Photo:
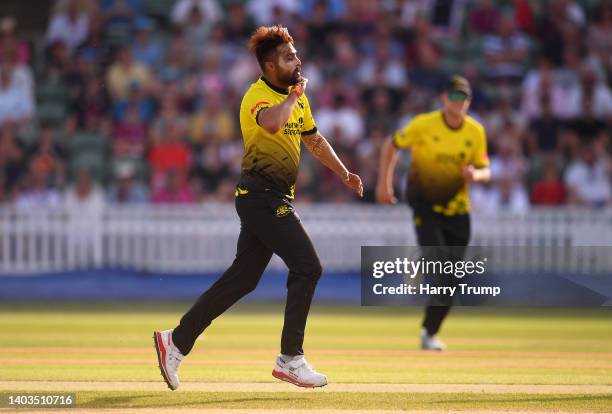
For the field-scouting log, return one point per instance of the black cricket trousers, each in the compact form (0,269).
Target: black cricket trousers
(269,225)
(441,238)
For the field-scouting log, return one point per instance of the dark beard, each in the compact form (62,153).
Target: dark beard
(289,78)
(295,78)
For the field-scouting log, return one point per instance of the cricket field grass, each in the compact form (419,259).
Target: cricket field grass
(499,360)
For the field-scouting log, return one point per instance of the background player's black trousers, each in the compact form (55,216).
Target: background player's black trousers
(268,225)
(452,233)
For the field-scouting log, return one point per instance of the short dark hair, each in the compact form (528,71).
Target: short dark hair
(264,41)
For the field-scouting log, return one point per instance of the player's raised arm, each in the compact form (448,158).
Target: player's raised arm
(274,117)
(387,162)
(323,151)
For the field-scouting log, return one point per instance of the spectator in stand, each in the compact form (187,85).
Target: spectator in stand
(168,117)
(593,94)
(446,17)
(213,124)
(84,203)
(84,198)
(545,130)
(95,101)
(423,58)
(176,64)
(341,116)
(218,44)
(548,190)
(242,72)
(545,84)
(129,135)
(379,112)
(76,80)
(112,7)
(38,194)
(413,10)
(171,153)
(143,103)
(58,58)
(70,27)
(334,9)
(387,64)
(550,32)
(239,25)
(591,105)
(336,86)
(124,73)
(10,43)
(208,9)
(587,179)
(95,45)
(485,17)
(508,168)
(145,49)
(12,161)
(174,191)
(344,55)
(210,167)
(225,191)
(196,30)
(360,18)
(119,18)
(497,119)
(524,16)
(48,156)
(573,12)
(16,92)
(506,52)
(126,190)
(599,37)
(320,30)
(265,12)
(213,76)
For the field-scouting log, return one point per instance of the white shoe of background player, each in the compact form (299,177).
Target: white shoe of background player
(169,357)
(298,372)
(431,342)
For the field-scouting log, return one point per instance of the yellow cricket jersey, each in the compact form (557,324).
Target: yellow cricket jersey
(274,157)
(439,153)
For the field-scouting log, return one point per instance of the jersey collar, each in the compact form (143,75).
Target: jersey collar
(275,88)
(448,126)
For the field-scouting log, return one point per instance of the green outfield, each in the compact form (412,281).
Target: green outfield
(499,359)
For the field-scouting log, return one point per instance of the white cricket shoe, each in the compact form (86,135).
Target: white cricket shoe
(431,342)
(298,372)
(169,357)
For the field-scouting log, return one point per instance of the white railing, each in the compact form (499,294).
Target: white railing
(203,238)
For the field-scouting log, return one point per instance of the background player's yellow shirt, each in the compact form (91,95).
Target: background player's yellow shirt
(275,157)
(439,153)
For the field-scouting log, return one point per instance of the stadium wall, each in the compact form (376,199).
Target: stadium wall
(176,252)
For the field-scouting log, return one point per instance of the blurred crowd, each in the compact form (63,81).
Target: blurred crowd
(136,101)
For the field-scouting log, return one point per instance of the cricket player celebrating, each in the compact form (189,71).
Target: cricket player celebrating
(449,150)
(275,117)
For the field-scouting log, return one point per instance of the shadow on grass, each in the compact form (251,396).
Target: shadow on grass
(157,400)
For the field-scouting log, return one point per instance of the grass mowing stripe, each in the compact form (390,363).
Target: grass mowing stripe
(311,399)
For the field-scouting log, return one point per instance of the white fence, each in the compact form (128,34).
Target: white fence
(203,238)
